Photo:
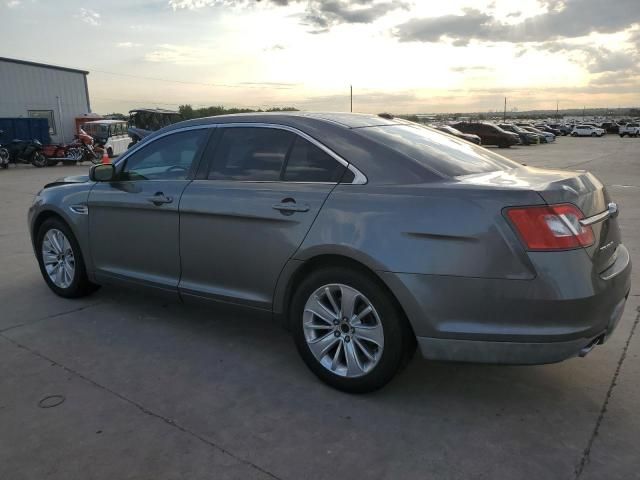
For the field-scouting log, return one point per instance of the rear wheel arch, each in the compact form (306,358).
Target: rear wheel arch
(325,261)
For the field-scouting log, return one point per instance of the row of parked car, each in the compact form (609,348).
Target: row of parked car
(505,135)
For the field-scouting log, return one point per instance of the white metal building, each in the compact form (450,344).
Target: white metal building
(29,89)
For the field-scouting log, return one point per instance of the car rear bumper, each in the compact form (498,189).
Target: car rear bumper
(548,319)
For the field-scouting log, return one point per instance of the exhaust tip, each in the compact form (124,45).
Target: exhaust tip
(596,341)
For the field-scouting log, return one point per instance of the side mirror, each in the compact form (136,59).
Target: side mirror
(102,173)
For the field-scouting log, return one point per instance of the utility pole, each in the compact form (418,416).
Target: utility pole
(584,111)
(504,115)
(557,110)
(351,98)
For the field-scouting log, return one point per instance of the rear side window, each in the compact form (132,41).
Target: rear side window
(307,163)
(271,155)
(250,154)
(442,153)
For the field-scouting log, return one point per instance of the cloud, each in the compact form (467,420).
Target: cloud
(89,16)
(13,3)
(472,68)
(562,19)
(178,55)
(128,45)
(320,15)
(595,59)
(323,14)
(274,48)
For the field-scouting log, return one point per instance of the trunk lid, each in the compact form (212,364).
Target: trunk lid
(580,188)
(586,192)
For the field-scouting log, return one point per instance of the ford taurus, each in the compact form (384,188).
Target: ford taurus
(365,236)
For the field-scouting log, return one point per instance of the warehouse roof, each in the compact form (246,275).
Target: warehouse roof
(43,65)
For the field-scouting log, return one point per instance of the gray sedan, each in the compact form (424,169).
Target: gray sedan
(365,236)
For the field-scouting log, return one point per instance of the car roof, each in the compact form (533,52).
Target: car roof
(105,121)
(346,120)
(154,110)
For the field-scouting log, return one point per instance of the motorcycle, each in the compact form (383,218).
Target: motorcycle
(80,150)
(4,155)
(27,151)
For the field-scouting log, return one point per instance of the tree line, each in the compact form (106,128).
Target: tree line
(187,111)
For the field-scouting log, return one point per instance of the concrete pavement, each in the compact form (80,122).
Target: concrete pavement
(157,390)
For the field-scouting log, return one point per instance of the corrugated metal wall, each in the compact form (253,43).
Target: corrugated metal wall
(30,87)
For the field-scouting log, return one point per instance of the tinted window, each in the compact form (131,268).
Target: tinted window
(445,154)
(307,163)
(168,158)
(250,154)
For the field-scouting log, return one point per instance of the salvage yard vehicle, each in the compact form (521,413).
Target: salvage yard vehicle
(545,137)
(110,135)
(587,131)
(144,121)
(469,137)
(364,235)
(526,137)
(26,151)
(489,133)
(631,129)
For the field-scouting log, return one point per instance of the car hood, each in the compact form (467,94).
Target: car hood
(68,180)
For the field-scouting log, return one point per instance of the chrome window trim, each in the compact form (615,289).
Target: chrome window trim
(359,177)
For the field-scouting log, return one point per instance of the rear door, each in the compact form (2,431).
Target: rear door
(134,222)
(249,211)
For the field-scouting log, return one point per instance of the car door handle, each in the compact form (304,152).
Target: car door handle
(291,207)
(159,199)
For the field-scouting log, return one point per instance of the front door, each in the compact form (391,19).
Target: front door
(248,216)
(134,221)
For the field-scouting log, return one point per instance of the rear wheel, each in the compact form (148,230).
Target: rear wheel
(348,330)
(60,260)
(594,134)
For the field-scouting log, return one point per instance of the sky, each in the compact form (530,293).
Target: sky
(405,56)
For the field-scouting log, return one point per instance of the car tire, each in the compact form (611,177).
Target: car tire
(339,357)
(56,242)
(574,134)
(38,160)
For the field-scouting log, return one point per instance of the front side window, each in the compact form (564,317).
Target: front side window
(168,158)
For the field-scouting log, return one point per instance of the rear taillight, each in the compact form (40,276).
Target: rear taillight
(551,227)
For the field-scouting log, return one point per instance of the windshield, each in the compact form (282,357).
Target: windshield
(442,153)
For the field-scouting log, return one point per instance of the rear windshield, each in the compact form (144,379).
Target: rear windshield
(437,151)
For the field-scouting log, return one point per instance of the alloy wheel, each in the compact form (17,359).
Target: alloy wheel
(343,330)
(58,258)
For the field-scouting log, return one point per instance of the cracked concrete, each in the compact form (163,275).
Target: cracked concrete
(160,391)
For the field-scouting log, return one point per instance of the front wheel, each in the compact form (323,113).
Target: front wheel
(60,260)
(349,330)
(38,160)
(594,134)
(574,134)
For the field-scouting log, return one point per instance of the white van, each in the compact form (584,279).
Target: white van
(112,134)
